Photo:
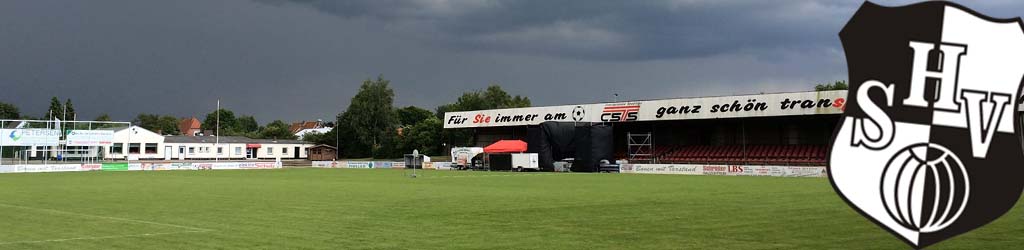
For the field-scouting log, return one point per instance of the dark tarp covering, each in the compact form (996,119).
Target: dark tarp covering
(500,162)
(536,142)
(602,144)
(584,161)
(560,138)
(553,141)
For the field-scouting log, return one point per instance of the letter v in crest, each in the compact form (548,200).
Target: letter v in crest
(929,147)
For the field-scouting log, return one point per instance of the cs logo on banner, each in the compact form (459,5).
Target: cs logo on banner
(929,146)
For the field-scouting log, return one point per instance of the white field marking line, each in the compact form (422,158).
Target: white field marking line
(98,237)
(196,229)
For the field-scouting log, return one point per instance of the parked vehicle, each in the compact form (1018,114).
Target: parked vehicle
(525,161)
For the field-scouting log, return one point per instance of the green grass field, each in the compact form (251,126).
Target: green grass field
(384,209)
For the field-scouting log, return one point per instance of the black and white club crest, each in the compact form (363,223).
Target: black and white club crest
(929,146)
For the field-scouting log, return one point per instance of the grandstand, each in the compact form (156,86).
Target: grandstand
(791,129)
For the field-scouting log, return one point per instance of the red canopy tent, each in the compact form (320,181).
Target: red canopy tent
(506,146)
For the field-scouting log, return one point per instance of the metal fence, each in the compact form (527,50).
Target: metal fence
(28,142)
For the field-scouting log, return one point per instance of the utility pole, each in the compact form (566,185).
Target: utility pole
(216,156)
(337,140)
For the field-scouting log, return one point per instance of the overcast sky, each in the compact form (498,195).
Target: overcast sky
(304,59)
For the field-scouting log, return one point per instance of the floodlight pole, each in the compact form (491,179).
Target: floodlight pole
(1,146)
(216,156)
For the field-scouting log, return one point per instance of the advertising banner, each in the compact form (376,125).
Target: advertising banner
(90,137)
(801,103)
(326,164)
(92,167)
(8,169)
(782,104)
(663,169)
(359,164)
(167,166)
(114,166)
(729,170)
(49,168)
(156,166)
(806,172)
(29,137)
(518,116)
(443,165)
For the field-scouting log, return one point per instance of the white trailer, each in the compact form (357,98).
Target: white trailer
(525,161)
(462,157)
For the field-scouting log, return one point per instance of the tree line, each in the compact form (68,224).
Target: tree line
(372,127)
(230,125)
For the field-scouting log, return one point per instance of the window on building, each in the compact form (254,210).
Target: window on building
(284,150)
(151,148)
(191,150)
(117,148)
(238,150)
(220,150)
(133,148)
(270,150)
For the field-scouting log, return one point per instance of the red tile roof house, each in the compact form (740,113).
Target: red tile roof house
(299,126)
(190,126)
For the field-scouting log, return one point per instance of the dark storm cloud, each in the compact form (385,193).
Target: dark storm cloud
(607,30)
(295,60)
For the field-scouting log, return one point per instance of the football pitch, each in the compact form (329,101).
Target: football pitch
(385,209)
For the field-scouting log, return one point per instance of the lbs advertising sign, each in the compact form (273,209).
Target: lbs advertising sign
(29,137)
(930,146)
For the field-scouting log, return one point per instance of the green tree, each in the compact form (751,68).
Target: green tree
(69,110)
(247,124)
(56,109)
(372,117)
(9,111)
(520,102)
(424,136)
(837,85)
(411,115)
(276,130)
(350,146)
(103,118)
(228,123)
(167,125)
(444,108)
(321,138)
(494,97)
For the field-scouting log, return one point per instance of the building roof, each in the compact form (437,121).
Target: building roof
(189,124)
(323,146)
(227,139)
(303,132)
(299,126)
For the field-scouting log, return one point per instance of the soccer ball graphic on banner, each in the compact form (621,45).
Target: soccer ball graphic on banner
(925,187)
